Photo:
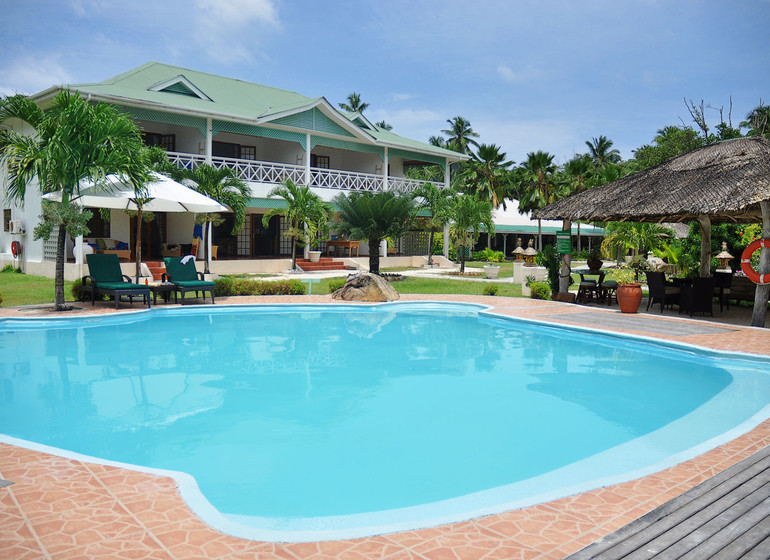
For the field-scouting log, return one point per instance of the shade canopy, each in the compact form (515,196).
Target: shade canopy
(725,181)
(164,194)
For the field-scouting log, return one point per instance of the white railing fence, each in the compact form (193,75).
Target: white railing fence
(276,173)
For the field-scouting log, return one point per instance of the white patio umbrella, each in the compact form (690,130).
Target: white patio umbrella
(162,194)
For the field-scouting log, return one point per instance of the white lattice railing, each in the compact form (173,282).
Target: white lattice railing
(276,173)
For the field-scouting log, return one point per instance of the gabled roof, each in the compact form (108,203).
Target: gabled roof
(167,88)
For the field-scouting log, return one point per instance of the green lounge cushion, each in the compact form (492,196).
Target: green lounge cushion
(101,244)
(194,283)
(104,268)
(121,286)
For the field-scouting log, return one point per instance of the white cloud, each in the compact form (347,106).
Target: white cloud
(527,75)
(397,97)
(31,74)
(231,31)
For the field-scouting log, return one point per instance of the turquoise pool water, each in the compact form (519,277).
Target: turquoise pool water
(338,419)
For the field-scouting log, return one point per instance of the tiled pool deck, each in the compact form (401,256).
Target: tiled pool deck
(63,508)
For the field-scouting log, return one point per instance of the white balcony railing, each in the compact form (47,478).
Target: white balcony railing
(276,173)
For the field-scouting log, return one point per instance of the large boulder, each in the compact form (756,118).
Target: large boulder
(366,287)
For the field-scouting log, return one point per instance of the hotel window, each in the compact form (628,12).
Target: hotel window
(7,219)
(322,162)
(248,152)
(165,141)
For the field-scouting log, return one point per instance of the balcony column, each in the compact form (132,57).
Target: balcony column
(307,158)
(447,182)
(385,173)
(209,139)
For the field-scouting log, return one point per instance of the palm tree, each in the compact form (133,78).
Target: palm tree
(601,151)
(373,217)
(224,186)
(461,135)
(437,141)
(539,187)
(438,202)
(354,104)
(488,175)
(73,141)
(468,215)
(758,121)
(383,125)
(308,216)
(638,237)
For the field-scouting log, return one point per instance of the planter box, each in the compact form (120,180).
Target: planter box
(491,271)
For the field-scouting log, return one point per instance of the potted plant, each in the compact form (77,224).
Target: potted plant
(594,261)
(629,290)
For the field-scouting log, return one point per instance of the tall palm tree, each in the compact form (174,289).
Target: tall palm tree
(438,202)
(487,174)
(468,215)
(73,140)
(354,104)
(461,135)
(372,217)
(758,121)
(539,186)
(308,216)
(224,186)
(602,152)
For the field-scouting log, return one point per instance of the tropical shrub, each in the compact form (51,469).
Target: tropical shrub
(228,286)
(489,255)
(490,290)
(336,283)
(550,259)
(540,290)
(10,268)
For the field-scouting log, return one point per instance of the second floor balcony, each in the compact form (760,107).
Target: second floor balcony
(272,173)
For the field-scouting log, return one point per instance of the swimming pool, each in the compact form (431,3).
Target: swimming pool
(304,423)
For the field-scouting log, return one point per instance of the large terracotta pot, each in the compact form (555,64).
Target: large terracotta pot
(629,297)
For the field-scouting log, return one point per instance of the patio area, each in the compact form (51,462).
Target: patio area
(63,508)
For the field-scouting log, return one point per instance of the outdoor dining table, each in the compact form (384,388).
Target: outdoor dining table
(589,288)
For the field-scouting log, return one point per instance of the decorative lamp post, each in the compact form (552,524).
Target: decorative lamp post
(530,254)
(518,252)
(724,259)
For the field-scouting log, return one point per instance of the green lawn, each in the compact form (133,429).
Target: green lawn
(24,289)
(506,268)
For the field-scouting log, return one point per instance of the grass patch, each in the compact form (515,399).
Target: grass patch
(24,289)
(412,285)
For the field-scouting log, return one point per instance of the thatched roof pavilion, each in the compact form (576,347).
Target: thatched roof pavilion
(724,182)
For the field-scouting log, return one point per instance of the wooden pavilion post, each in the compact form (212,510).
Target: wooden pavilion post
(566,263)
(705,246)
(762,291)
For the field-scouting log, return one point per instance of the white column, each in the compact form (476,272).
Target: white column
(385,172)
(209,139)
(447,182)
(307,158)
(209,225)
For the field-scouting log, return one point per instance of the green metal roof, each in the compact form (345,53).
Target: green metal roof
(167,88)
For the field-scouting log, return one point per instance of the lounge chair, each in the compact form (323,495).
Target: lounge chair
(186,278)
(660,292)
(105,277)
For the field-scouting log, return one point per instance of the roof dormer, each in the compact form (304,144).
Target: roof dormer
(180,86)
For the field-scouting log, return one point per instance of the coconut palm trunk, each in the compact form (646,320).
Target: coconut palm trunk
(374,255)
(59,278)
(138,248)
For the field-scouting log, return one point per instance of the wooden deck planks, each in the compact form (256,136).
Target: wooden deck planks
(725,517)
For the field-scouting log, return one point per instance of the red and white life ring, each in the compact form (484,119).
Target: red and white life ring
(16,248)
(748,270)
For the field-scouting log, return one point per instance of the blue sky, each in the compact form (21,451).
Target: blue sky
(528,75)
